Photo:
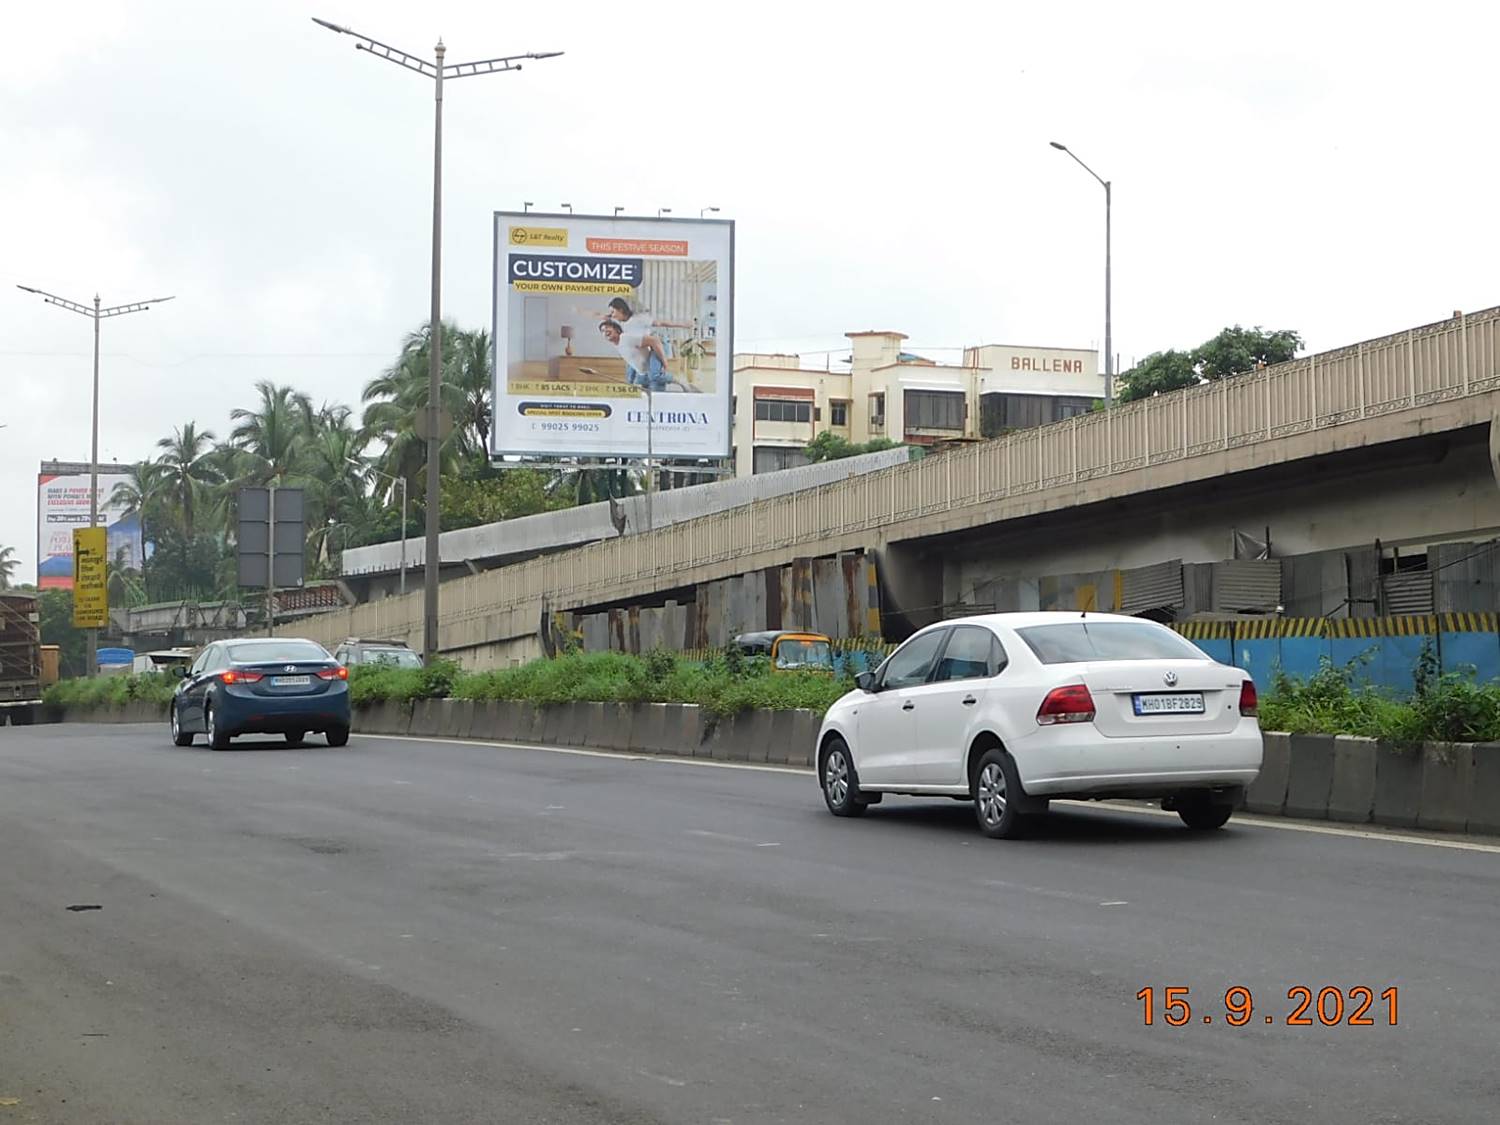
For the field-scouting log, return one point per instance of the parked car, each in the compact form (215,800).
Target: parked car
(789,650)
(355,651)
(1012,710)
(261,685)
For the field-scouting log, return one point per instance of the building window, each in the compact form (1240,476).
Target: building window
(838,413)
(877,410)
(935,410)
(1072,407)
(771,458)
(782,410)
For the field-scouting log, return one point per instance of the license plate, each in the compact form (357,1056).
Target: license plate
(1184,703)
(303,681)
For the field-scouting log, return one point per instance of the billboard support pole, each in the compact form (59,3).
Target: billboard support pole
(97,314)
(271,562)
(650,456)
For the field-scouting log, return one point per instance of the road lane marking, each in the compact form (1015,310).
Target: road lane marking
(1242,820)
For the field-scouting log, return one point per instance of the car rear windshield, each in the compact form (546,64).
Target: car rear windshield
(267,651)
(1081,642)
(804,654)
(400,657)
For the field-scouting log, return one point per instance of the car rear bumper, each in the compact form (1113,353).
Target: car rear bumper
(1090,765)
(242,712)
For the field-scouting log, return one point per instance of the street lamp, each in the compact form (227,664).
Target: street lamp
(1109,343)
(437,70)
(617,211)
(400,483)
(525,207)
(569,206)
(660,211)
(96,314)
(707,211)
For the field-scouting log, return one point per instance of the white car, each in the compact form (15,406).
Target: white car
(1010,710)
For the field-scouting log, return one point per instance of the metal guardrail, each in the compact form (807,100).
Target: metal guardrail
(1437,362)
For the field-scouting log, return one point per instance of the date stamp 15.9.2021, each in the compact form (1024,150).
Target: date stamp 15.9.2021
(1305,1006)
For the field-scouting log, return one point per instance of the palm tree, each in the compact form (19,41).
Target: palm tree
(188,470)
(141,493)
(271,433)
(335,488)
(8,565)
(395,399)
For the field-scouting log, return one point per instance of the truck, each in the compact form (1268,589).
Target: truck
(20,658)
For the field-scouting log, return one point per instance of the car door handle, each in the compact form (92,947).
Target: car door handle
(908,706)
(969,701)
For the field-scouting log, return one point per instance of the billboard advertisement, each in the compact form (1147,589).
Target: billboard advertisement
(612,335)
(90,578)
(62,506)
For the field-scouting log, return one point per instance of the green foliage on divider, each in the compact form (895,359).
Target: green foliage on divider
(1448,707)
(106,691)
(610,677)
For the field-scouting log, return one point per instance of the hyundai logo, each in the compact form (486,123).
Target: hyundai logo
(293,668)
(1170,679)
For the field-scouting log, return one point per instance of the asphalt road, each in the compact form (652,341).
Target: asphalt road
(406,931)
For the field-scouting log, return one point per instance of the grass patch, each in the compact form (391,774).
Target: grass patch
(107,691)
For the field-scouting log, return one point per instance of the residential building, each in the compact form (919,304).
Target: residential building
(780,406)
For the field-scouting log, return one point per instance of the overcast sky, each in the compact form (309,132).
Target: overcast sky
(1324,167)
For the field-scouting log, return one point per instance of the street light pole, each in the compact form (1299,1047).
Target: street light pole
(437,70)
(96,313)
(1109,343)
(399,482)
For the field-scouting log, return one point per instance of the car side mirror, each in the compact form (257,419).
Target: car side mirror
(865,681)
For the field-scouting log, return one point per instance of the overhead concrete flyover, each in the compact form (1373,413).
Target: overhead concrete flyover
(1400,416)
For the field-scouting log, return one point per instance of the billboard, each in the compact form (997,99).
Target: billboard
(62,505)
(596,319)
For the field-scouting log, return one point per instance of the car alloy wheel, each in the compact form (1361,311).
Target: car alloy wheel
(840,782)
(991,795)
(836,777)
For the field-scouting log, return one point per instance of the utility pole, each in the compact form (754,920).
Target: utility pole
(96,313)
(436,70)
(1109,342)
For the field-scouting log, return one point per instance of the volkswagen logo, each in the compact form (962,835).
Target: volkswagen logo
(1170,679)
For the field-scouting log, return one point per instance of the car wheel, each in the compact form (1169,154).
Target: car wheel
(339,736)
(840,782)
(295,738)
(179,736)
(218,738)
(1202,815)
(996,788)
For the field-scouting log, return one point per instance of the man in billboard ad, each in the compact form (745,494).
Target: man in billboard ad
(594,318)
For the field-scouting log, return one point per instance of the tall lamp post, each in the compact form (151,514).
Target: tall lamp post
(96,313)
(399,482)
(436,70)
(1109,343)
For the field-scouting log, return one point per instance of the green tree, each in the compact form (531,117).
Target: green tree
(188,471)
(829,446)
(1237,350)
(271,434)
(1158,373)
(511,494)
(56,612)
(8,565)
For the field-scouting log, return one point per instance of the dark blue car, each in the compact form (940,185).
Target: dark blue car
(262,685)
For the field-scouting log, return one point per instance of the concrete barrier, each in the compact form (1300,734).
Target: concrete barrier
(425,718)
(1267,793)
(597,719)
(1484,806)
(803,741)
(1352,796)
(1447,786)
(648,728)
(455,717)
(1310,777)
(511,718)
(1398,785)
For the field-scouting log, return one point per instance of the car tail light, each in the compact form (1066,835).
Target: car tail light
(1071,704)
(339,673)
(1249,701)
(230,676)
